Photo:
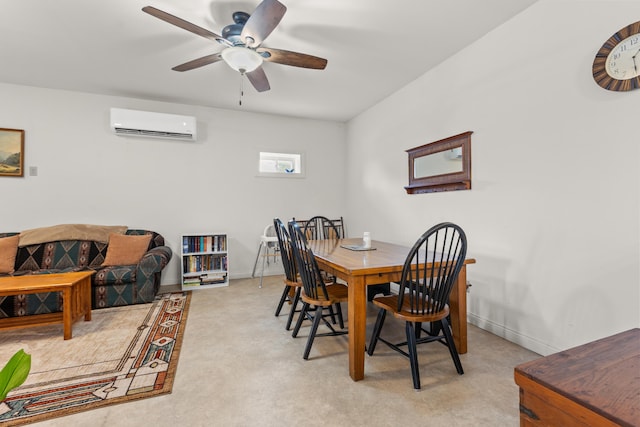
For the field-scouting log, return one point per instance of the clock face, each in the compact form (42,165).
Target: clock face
(624,60)
(617,64)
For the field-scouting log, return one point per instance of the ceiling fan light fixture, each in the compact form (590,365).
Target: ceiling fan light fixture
(242,59)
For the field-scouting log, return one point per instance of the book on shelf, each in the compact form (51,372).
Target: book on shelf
(191,281)
(204,279)
(207,262)
(189,284)
(211,279)
(202,243)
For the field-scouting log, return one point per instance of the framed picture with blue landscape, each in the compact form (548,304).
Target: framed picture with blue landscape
(11,152)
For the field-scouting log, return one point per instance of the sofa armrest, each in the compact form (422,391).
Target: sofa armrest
(155,259)
(148,272)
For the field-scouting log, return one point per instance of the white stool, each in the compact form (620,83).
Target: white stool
(268,240)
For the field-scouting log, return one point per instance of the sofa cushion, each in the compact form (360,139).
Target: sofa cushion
(60,255)
(8,251)
(89,232)
(125,249)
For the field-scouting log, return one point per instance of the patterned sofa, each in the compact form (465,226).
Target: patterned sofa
(111,285)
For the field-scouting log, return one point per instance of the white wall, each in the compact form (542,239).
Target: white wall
(553,217)
(88,175)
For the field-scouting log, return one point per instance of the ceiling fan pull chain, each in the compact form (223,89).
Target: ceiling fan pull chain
(241,90)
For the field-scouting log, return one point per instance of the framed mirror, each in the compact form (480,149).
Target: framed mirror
(443,165)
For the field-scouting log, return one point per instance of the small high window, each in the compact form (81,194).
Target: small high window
(281,164)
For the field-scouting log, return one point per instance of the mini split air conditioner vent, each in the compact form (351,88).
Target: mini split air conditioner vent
(153,125)
(153,133)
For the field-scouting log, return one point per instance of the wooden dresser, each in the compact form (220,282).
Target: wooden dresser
(595,384)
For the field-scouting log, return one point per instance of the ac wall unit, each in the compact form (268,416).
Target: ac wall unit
(155,125)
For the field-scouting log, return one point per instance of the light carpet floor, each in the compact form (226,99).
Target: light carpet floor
(239,367)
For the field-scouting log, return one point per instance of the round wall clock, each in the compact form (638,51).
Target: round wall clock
(617,63)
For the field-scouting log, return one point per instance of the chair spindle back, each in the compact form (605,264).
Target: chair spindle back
(286,253)
(322,228)
(312,282)
(432,268)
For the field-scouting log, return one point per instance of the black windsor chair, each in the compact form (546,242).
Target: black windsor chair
(428,276)
(316,295)
(292,284)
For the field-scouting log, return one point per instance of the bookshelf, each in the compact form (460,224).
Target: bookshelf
(204,261)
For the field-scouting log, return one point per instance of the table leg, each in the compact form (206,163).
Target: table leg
(67,314)
(357,324)
(86,298)
(458,307)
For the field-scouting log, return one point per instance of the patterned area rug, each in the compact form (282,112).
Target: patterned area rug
(122,354)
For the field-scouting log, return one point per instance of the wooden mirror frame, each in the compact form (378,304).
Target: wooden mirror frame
(444,182)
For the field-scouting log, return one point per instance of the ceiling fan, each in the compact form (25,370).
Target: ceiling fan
(242,41)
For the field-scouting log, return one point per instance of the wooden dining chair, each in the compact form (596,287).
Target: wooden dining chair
(317,296)
(292,283)
(322,228)
(428,276)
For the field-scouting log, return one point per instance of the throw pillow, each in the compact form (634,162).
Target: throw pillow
(126,249)
(8,251)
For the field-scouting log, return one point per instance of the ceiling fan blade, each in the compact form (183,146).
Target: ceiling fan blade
(262,22)
(179,22)
(294,59)
(259,80)
(197,63)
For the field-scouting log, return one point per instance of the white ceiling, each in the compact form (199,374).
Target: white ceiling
(373,48)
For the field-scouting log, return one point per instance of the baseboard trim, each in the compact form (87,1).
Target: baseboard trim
(515,337)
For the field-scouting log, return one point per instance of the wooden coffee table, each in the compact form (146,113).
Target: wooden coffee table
(76,298)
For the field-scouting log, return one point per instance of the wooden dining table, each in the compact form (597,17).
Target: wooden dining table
(382,264)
